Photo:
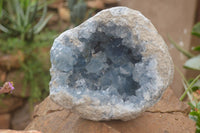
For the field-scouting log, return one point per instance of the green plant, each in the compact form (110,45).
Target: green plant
(78,11)
(36,63)
(33,68)
(23,18)
(1,7)
(195,115)
(192,87)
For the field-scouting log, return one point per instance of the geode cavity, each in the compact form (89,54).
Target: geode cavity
(113,66)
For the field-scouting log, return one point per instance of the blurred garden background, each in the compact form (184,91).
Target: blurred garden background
(27,31)
(29,27)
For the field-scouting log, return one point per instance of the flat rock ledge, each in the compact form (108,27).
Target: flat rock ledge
(15,131)
(115,65)
(166,116)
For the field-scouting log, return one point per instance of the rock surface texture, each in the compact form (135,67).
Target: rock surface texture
(163,117)
(113,66)
(15,131)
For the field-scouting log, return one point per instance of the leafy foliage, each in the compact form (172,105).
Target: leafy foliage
(196,30)
(196,48)
(21,23)
(1,7)
(192,87)
(34,68)
(19,18)
(193,63)
(36,65)
(195,115)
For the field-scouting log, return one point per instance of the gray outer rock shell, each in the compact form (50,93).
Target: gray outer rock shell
(87,104)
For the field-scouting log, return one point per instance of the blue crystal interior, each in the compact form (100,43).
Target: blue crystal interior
(106,62)
(107,65)
(109,68)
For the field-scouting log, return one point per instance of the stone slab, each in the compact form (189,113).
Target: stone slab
(9,104)
(5,121)
(21,117)
(156,123)
(8,62)
(48,113)
(169,103)
(15,131)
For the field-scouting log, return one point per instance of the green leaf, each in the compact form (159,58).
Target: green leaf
(40,27)
(193,117)
(1,7)
(197,48)
(33,15)
(42,22)
(180,49)
(189,87)
(197,84)
(19,12)
(4,29)
(198,105)
(193,63)
(196,30)
(9,17)
(82,9)
(27,14)
(71,4)
(192,106)
(10,8)
(197,131)
(195,88)
(197,126)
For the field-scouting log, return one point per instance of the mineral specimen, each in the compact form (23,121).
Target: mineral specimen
(113,66)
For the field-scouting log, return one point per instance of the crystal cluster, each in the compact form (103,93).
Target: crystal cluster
(113,66)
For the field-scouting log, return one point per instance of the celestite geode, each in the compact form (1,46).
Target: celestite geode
(113,66)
